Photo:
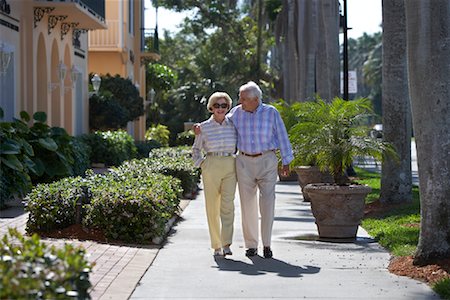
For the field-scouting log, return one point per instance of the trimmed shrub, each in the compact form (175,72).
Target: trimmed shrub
(110,147)
(52,206)
(185,138)
(81,155)
(32,270)
(132,207)
(144,147)
(178,167)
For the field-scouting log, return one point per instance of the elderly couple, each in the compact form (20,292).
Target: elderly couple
(256,130)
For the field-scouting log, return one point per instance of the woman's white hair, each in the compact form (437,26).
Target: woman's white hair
(215,97)
(253,89)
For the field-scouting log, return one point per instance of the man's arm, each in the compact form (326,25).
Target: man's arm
(196,128)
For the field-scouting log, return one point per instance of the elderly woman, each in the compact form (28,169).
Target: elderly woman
(218,140)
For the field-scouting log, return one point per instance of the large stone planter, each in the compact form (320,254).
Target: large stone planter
(311,174)
(338,209)
(291,177)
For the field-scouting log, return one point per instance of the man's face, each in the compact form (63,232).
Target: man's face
(248,103)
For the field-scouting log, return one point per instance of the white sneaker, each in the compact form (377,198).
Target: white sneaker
(227,251)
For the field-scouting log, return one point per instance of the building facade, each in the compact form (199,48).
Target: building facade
(44,61)
(48,48)
(121,50)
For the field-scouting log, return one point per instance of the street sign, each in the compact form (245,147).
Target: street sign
(352,82)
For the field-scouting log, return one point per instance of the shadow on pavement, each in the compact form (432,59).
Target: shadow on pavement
(261,266)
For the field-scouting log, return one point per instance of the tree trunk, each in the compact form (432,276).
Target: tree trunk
(307,40)
(396,177)
(327,57)
(428,46)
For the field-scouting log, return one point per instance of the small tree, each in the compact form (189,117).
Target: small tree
(122,102)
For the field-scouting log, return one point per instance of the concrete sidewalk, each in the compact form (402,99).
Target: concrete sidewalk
(302,267)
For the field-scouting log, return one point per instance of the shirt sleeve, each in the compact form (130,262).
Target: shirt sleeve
(197,147)
(283,140)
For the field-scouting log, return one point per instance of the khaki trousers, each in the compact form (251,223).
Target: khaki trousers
(257,173)
(219,183)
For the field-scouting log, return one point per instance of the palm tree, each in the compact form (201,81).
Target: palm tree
(428,33)
(396,179)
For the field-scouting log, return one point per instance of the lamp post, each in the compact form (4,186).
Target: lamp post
(96,80)
(345,49)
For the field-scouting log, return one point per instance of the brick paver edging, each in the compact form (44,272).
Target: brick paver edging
(118,268)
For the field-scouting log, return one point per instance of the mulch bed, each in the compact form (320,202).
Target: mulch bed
(403,265)
(77,232)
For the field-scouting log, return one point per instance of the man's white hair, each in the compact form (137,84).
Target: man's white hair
(253,89)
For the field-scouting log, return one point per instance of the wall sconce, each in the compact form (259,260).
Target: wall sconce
(150,97)
(61,71)
(75,73)
(5,59)
(96,80)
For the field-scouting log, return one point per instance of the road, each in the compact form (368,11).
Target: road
(372,165)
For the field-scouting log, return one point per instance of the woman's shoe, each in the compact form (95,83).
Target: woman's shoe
(251,252)
(218,252)
(227,251)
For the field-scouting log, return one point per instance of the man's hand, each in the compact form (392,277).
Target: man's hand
(197,129)
(285,170)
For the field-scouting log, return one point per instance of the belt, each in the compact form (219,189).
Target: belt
(219,154)
(256,154)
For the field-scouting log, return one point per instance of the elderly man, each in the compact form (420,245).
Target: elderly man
(261,132)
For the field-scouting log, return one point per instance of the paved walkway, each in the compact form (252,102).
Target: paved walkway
(184,268)
(302,267)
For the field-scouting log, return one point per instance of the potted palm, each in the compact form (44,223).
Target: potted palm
(303,165)
(333,134)
(288,115)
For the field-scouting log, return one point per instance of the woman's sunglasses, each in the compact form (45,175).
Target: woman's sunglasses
(223,105)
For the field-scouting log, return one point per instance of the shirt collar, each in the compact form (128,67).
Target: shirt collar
(225,122)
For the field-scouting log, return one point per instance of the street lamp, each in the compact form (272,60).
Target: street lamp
(96,80)
(343,23)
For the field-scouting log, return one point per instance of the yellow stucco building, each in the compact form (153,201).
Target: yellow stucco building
(121,49)
(48,49)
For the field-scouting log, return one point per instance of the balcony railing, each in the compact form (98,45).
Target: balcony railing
(95,6)
(88,14)
(150,41)
(108,38)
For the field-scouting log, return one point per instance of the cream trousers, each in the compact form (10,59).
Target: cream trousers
(219,183)
(257,173)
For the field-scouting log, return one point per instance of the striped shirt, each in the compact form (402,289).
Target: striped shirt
(214,137)
(261,131)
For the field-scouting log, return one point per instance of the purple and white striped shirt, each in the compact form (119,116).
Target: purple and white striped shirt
(214,137)
(261,131)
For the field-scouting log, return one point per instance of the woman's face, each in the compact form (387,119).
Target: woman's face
(220,108)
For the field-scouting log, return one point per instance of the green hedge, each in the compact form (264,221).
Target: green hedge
(175,161)
(110,147)
(132,202)
(52,206)
(32,270)
(132,209)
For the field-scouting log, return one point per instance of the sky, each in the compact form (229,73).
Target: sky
(363,16)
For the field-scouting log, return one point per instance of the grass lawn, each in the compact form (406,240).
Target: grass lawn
(397,228)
